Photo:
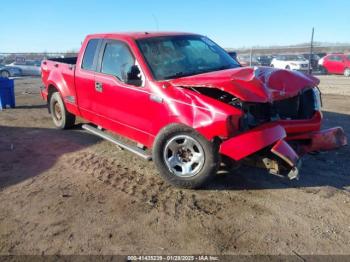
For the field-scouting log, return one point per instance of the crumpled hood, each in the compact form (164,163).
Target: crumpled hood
(252,84)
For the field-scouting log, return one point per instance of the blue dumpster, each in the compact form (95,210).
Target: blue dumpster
(7,93)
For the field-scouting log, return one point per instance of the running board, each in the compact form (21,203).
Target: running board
(106,136)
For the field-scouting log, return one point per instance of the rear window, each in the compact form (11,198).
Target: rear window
(89,55)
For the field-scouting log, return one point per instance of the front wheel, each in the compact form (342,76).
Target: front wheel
(60,116)
(184,157)
(347,72)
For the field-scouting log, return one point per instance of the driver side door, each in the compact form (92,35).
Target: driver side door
(121,107)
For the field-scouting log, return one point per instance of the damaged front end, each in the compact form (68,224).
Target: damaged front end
(264,147)
(280,121)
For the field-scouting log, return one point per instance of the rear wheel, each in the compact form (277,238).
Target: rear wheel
(323,70)
(184,157)
(288,67)
(60,116)
(347,72)
(5,74)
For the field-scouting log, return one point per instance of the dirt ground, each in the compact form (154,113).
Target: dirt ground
(68,192)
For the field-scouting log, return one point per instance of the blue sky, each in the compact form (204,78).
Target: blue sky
(60,25)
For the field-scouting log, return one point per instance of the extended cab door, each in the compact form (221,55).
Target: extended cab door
(85,79)
(123,108)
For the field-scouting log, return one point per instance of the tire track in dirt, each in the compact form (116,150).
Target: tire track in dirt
(149,189)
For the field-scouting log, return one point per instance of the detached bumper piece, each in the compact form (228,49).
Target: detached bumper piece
(288,155)
(328,139)
(322,140)
(281,160)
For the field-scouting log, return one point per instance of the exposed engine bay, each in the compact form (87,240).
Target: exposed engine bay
(302,106)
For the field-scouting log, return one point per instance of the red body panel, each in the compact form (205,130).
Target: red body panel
(283,150)
(252,141)
(139,113)
(336,66)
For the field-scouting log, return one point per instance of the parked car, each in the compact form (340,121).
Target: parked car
(233,54)
(313,61)
(264,60)
(188,105)
(290,62)
(245,60)
(336,64)
(8,71)
(28,67)
(321,54)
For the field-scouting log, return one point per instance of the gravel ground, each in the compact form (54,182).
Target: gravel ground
(68,192)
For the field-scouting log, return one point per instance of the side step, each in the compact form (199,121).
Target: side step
(104,135)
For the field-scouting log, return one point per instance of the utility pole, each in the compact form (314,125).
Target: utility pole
(251,56)
(311,50)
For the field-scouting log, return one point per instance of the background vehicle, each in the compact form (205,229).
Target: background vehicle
(245,60)
(8,71)
(313,61)
(191,104)
(290,62)
(336,64)
(28,67)
(233,54)
(264,60)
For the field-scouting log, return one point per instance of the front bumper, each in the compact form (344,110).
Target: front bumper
(270,144)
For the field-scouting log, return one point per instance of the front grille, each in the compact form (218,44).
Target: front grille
(301,106)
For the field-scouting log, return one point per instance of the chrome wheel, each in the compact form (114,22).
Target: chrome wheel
(184,156)
(57,111)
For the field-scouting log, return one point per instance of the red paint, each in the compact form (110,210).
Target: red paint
(283,150)
(335,63)
(133,112)
(243,145)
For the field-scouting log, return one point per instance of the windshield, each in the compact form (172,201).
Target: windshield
(177,56)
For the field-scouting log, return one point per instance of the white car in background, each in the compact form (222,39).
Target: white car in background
(28,67)
(290,62)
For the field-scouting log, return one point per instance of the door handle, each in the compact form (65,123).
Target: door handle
(98,87)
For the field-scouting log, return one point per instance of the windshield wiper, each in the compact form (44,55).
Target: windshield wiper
(179,74)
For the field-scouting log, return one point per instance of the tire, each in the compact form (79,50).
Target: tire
(347,72)
(60,116)
(184,157)
(288,67)
(323,70)
(5,74)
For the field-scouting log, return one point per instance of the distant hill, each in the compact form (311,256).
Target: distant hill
(319,47)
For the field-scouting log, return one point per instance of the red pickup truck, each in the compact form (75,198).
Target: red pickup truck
(188,105)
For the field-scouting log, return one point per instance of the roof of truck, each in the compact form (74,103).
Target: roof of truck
(139,35)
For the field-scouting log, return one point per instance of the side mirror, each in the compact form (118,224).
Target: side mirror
(134,76)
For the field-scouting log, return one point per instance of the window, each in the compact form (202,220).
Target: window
(117,60)
(89,55)
(183,55)
(335,58)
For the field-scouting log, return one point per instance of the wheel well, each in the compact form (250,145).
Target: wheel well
(52,89)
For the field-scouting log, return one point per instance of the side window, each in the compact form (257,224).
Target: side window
(117,60)
(89,55)
(335,58)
